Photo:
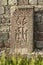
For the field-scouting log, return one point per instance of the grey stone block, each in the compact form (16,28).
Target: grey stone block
(33,2)
(40,27)
(40,2)
(39,44)
(0,19)
(3,2)
(22,2)
(1,10)
(5,19)
(26,2)
(4,36)
(4,28)
(12,2)
(7,10)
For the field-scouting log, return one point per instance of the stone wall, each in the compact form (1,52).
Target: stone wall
(15,13)
(5,24)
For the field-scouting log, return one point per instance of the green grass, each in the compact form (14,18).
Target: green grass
(20,60)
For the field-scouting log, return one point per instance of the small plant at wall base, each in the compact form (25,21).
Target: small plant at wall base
(20,60)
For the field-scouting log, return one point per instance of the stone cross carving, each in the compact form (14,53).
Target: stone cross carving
(21,31)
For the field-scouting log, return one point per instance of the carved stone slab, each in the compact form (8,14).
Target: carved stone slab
(22,29)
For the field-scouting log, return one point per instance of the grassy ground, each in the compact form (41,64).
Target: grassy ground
(6,59)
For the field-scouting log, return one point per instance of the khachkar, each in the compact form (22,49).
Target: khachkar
(22,29)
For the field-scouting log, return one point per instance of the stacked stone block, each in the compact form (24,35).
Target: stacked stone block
(4,23)
(36,2)
(38,29)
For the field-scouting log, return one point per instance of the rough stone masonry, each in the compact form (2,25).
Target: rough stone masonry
(16,24)
(5,24)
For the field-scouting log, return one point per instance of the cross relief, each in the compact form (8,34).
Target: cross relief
(21,30)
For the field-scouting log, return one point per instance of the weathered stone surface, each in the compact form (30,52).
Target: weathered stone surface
(4,28)
(3,36)
(40,27)
(12,9)
(0,19)
(1,10)
(25,2)
(33,2)
(6,16)
(39,44)
(22,2)
(1,44)
(5,19)
(7,10)
(18,50)
(7,44)
(40,2)
(22,29)
(40,36)
(21,50)
(3,2)
(24,51)
(12,2)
